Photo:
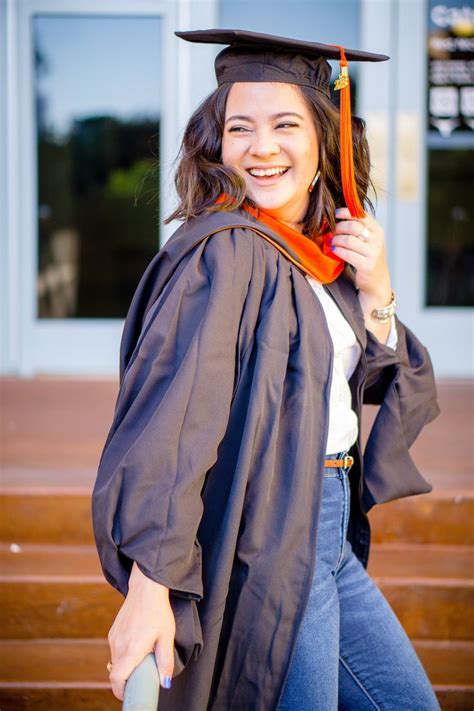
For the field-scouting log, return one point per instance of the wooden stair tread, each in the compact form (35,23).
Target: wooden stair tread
(80,411)
(61,660)
(54,479)
(29,481)
(395,561)
(60,697)
(97,698)
(39,508)
(442,517)
(58,607)
(73,599)
(421,560)
(73,661)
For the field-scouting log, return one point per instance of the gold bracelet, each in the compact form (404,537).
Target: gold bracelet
(385,313)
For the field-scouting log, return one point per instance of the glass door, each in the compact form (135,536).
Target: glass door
(98,105)
(98,95)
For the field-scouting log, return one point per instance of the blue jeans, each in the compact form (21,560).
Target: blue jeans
(351,651)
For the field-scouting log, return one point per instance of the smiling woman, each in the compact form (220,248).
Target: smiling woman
(271,153)
(231,499)
(220,129)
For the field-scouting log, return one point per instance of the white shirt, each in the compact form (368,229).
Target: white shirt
(343,426)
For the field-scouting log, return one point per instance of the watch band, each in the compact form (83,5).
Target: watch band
(385,313)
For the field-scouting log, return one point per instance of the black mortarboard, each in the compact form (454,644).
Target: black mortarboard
(253,56)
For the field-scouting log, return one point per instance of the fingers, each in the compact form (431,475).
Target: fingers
(164,655)
(357,239)
(350,226)
(121,670)
(356,224)
(360,243)
(352,243)
(124,664)
(358,261)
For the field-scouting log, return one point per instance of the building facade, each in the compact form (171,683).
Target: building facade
(94,96)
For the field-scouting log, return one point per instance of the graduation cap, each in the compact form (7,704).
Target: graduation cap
(253,56)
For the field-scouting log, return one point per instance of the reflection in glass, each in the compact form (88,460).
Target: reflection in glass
(98,105)
(450,235)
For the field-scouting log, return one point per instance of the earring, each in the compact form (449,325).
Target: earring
(314,181)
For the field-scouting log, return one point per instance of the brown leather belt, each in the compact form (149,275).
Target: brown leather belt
(345,463)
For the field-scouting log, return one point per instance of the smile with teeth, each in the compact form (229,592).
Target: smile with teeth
(260,173)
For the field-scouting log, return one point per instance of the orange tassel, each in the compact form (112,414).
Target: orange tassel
(346,149)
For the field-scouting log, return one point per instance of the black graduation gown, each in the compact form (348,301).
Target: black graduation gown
(211,475)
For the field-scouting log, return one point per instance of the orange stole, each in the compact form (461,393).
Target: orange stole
(320,263)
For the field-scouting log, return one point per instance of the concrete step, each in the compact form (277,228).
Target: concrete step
(72,599)
(54,506)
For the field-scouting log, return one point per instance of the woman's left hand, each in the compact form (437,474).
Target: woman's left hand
(360,242)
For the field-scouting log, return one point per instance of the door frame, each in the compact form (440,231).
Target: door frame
(396,110)
(80,346)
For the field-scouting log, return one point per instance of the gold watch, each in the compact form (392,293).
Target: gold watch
(386,312)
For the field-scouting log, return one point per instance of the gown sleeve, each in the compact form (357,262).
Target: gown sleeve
(171,414)
(402,382)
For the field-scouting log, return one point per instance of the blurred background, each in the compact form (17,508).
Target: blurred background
(94,96)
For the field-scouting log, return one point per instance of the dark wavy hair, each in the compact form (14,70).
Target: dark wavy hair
(201,176)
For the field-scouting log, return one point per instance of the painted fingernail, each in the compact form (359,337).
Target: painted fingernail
(166,682)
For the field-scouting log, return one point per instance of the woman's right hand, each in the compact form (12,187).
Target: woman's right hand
(145,623)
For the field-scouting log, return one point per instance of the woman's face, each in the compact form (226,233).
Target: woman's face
(268,126)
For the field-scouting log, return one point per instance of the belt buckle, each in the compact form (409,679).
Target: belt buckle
(348,461)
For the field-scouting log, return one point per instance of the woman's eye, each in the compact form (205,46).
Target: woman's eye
(287,124)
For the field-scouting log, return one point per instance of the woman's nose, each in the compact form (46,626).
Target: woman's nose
(264,144)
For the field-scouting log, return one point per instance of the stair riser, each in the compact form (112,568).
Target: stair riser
(54,660)
(449,663)
(25,699)
(67,519)
(456,699)
(89,609)
(46,519)
(65,610)
(85,661)
(103,700)
(421,561)
(424,519)
(434,611)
